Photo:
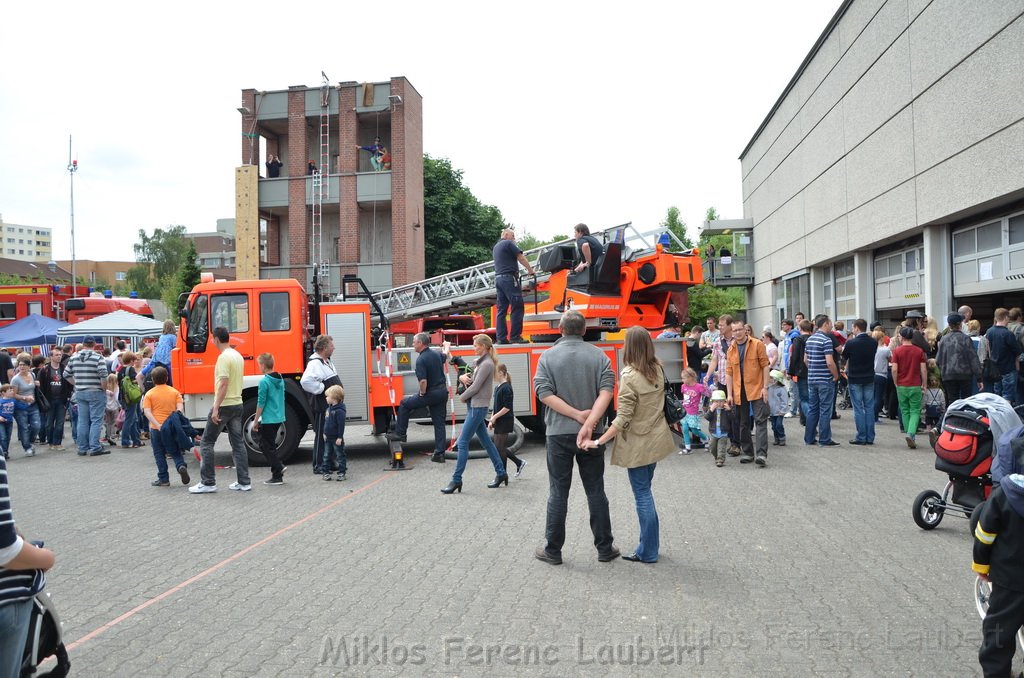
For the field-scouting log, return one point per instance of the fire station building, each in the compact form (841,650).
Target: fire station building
(889,175)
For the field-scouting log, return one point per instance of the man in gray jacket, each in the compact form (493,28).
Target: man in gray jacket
(575,382)
(957,361)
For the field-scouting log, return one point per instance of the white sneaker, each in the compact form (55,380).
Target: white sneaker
(787,415)
(199,488)
(30,452)
(238,487)
(519,471)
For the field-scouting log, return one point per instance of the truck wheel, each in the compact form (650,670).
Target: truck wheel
(288,434)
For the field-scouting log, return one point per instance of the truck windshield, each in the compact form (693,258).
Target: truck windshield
(198,326)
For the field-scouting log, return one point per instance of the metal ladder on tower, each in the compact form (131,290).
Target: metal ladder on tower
(473,288)
(321,190)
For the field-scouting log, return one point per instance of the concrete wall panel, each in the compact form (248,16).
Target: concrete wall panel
(985,171)
(883,160)
(819,95)
(828,242)
(765,154)
(822,147)
(948,30)
(856,19)
(825,198)
(983,94)
(883,91)
(791,257)
(885,216)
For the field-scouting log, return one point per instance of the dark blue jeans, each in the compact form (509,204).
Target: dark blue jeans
(53,429)
(819,412)
(130,429)
(6,429)
(160,455)
(881,384)
(509,295)
(334,453)
(863,398)
(434,401)
(561,453)
(640,479)
(28,425)
(804,394)
(778,428)
(1006,387)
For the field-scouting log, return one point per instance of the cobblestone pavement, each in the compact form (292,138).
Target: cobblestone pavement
(811,566)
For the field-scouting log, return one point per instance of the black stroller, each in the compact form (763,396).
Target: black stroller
(45,639)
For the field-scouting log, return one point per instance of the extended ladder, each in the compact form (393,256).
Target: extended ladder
(473,288)
(321,190)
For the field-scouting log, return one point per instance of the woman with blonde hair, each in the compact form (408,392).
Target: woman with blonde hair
(477,397)
(162,354)
(643,434)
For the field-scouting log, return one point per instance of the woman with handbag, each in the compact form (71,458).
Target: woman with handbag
(643,434)
(26,413)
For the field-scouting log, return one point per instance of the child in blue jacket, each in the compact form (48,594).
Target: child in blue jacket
(6,417)
(334,433)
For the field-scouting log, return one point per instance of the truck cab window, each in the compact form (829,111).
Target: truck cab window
(198,327)
(274,312)
(230,311)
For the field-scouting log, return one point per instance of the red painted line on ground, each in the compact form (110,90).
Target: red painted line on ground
(224,563)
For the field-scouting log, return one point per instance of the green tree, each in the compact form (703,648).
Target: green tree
(706,300)
(189,276)
(460,231)
(677,226)
(140,280)
(165,250)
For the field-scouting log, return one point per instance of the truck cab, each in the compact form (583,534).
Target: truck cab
(263,316)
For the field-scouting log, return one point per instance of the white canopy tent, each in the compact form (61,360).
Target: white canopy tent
(108,328)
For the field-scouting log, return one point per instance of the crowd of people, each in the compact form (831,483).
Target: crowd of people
(909,374)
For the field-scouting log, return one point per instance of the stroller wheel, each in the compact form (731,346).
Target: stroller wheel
(927,514)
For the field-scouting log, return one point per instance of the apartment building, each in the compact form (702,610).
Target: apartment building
(330,208)
(25,243)
(889,175)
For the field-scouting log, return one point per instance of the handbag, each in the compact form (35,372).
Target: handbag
(42,402)
(674,412)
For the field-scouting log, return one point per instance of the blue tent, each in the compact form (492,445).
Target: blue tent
(32,330)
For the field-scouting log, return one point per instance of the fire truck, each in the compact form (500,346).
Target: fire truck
(62,302)
(634,283)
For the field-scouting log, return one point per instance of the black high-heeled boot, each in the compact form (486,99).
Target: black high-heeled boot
(498,480)
(452,486)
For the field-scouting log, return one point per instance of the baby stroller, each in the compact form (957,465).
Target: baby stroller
(964,448)
(45,639)
(963,451)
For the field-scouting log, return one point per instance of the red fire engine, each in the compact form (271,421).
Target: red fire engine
(373,333)
(62,302)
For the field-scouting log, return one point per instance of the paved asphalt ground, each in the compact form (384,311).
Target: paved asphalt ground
(811,566)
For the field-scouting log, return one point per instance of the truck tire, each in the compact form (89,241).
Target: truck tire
(288,435)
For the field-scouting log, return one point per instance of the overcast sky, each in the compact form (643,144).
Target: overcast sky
(557,112)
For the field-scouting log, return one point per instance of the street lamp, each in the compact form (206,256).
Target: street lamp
(72,168)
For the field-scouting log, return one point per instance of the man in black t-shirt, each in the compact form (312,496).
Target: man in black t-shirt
(860,373)
(590,249)
(507,257)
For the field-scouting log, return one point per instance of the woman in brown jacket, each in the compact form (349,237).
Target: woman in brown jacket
(643,435)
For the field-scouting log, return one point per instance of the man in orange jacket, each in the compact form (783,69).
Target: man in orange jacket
(747,380)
